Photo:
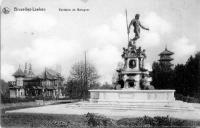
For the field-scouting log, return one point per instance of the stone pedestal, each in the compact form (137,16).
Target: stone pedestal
(133,69)
(132,97)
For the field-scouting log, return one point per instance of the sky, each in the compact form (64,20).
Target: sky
(56,38)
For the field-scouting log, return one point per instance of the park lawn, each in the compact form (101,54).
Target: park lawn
(22,120)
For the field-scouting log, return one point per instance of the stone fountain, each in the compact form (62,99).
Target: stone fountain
(133,85)
(133,91)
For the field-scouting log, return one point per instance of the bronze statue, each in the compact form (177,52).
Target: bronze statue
(145,83)
(143,54)
(136,24)
(125,52)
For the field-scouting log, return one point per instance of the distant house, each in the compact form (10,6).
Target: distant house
(47,84)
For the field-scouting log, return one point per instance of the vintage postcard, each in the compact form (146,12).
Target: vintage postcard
(100,63)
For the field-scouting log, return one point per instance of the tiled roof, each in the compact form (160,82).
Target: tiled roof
(50,74)
(19,73)
(166,52)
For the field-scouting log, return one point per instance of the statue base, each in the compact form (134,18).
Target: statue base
(132,96)
(130,99)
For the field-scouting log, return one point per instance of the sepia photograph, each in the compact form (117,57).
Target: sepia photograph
(100,64)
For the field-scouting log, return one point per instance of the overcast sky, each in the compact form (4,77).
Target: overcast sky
(50,38)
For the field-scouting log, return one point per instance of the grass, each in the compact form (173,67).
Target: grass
(42,120)
(22,120)
(88,121)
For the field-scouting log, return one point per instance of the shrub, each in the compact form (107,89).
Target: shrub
(136,122)
(16,100)
(162,121)
(94,120)
(187,98)
(26,99)
(155,122)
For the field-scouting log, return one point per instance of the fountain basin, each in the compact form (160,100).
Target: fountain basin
(129,96)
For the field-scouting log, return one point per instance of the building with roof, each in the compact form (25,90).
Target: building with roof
(165,58)
(47,84)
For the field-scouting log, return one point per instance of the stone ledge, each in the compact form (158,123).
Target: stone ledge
(139,91)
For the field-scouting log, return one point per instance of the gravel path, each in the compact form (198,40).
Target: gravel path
(116,114)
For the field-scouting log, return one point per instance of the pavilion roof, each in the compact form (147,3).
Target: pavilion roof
(50,74)
(19,73)
(166,52)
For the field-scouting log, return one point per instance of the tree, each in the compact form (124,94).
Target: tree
(180,79)
(73,89)
(162,77)
(192,69)
(4,89)
(184,78)
(84,76)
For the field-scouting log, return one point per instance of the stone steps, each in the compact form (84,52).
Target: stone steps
(138,107)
